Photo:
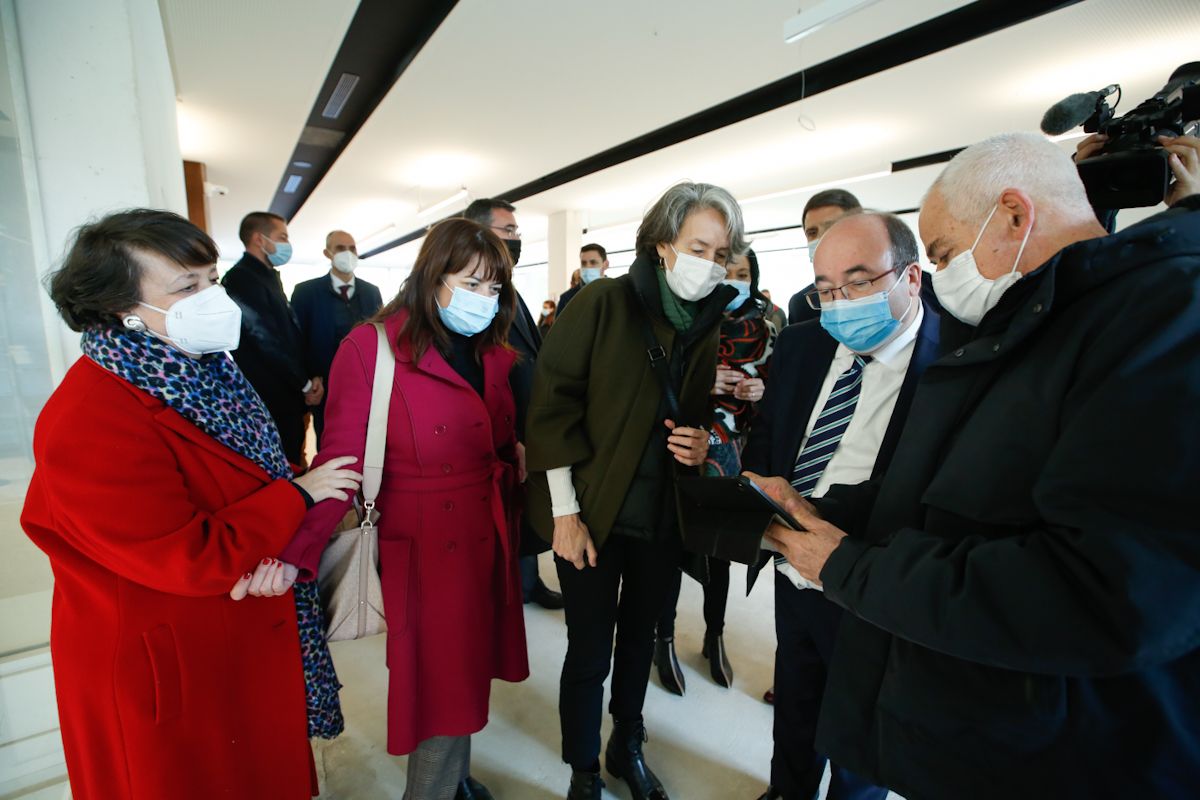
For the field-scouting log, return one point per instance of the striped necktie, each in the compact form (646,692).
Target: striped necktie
(829,428)
(827,432)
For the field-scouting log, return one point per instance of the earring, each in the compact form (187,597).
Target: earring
(134,323)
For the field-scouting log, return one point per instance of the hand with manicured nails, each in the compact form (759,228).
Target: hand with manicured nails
(689,445)
(330,481)
(270,578)
(1184,159)
(573,541)
(807,550)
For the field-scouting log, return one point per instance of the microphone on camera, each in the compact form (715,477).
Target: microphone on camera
(1073,111)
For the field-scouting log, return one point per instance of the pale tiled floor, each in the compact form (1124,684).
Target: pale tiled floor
(713,743)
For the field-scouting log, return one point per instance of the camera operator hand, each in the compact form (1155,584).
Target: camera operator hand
(1089,147)
(1185,163)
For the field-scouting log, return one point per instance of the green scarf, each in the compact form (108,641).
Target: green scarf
(680,313)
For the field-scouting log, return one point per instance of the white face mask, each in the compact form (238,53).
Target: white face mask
(961,288)
(345,261)
(693,278)
(205,322)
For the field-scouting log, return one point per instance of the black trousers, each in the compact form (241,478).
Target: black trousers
(289,419)
(806,626)
(716,597)
(626,591)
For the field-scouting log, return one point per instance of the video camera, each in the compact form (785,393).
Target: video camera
(1132,170)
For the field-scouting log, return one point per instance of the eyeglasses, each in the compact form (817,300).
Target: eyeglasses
(510,231)
(855,290)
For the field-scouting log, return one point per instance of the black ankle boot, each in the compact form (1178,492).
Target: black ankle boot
(667,663)
(624,759)
(471,789)
(718,660)
(585,785)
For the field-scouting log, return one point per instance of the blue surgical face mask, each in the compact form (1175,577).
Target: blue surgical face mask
(743,294)
(589,274)
(468,313)
(862,325)
(282,254)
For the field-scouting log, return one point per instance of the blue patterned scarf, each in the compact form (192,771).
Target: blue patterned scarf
(210,391)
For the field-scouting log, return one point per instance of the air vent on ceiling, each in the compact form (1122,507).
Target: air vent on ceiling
(341,93)
(302,164)
(293,183)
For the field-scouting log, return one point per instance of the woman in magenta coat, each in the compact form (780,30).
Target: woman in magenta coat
(447,530)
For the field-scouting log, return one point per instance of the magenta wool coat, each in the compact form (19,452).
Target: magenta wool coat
(448,531)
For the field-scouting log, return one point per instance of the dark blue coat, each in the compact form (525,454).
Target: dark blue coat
(325,318)
(799,365)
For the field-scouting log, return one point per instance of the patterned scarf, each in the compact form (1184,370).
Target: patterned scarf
(210,391)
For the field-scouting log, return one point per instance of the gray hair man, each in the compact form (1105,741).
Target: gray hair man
(1023,586)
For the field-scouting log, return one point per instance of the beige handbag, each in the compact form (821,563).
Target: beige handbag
(349,573)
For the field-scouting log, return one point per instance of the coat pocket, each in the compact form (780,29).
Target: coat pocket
(164,664)
(396,577)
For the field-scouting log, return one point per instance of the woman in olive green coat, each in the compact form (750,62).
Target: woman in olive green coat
(604,441)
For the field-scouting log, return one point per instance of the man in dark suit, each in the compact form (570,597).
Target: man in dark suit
(820,212)
(270,353)
(327,308)
(525,338)
(838,398)
(593,263)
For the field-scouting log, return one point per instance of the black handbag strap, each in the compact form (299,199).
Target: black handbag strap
(660,359)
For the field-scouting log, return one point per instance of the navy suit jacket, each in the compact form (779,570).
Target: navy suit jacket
(322,314)
(799,365)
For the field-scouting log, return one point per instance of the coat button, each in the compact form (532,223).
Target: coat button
(448,505)
(508,418)
(451,546)
(1037,308)
(446,468)
(958,353)
(439,429)
(996,347)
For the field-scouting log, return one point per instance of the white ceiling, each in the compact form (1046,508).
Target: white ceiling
(504,93)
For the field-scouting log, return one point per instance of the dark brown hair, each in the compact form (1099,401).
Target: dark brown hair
(449,248)
(597,248)
(101,275)
(257,222)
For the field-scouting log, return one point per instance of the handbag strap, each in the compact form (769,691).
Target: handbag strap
(381,397)
(660,361)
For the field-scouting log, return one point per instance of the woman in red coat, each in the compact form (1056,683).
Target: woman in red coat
(160,484)
(447,531)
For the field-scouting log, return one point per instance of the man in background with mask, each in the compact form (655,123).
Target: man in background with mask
(270,352)
(328,308)
(1023,585)
(526,339)
(820,212)
(835,406)
(593,263)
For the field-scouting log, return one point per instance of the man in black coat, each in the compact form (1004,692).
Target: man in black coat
(825,419)
(527,340)
(270,353)
(328,308)
(1023,585)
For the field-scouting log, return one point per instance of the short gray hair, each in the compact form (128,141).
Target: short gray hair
(665,218)
(973,181)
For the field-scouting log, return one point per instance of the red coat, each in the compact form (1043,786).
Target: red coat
(166,687)
(447,538)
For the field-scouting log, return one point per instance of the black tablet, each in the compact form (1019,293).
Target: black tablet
(727,517)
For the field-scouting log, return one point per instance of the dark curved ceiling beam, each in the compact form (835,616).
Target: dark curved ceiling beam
(383,39)
(953,28)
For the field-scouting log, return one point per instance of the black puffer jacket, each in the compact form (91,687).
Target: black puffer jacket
(1024,583)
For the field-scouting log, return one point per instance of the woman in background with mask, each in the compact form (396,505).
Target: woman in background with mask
(160,483)
(447,528)
(549,312)
(747,338)
(606,437)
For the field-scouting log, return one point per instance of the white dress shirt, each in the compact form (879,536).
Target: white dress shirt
(854,460)
(338,283)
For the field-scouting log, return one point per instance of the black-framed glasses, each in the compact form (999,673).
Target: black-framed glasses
(511,231)
(854,290)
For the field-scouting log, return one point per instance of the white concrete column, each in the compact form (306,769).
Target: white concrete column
(565,238)
(101,105)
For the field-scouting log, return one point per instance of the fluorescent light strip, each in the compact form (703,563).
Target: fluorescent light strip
(819,16)
(816,187)
(457,197)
